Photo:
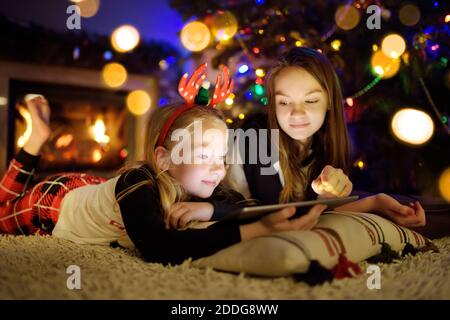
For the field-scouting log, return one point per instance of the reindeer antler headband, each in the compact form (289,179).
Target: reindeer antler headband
(189,90)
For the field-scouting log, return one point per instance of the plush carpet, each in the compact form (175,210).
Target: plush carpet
(35,267)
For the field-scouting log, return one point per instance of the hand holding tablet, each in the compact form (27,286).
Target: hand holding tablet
(302,207)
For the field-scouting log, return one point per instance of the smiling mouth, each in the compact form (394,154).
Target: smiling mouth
(210,183)
(299,125)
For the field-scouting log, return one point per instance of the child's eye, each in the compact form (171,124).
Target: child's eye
(283,103)
(312,101)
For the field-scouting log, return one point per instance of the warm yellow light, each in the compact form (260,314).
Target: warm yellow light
(347,17)
(336,44)
(224,25)
(98,131)
(229,120)
(229,101)
(444,184)
(96,155)
(260,73)
(125,38)
(374,47)
(393,45)
(447,18)
(350,102)
(26,135)
(138,102)
(64,140)
(360,164)
(412,126)
(241,116)
(195,36)
(384,66)
(88,8)
(114,74)
(298,43)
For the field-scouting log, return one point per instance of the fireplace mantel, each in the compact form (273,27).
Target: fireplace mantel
(69,76)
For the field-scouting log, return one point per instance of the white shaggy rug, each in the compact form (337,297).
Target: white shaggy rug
(34,267)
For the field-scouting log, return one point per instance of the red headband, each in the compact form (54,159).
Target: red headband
(189,90)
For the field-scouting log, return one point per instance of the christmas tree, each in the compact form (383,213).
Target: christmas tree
(389,55)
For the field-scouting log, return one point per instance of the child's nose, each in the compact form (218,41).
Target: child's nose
(299,109)
(217,167)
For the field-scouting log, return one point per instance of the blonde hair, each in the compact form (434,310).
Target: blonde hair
(169,189)
(331,142)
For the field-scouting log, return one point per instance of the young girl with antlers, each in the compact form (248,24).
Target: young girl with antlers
(148,203)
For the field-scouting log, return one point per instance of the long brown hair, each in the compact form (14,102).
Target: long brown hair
(169,189)
(331,142)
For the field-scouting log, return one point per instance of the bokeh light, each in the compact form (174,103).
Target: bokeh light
(393,45)
(260,72)
(114,74)
(138,102)
(259,89)
(444,184)
(224,25)
(349,102)
(360,164)
(336,44)
(96,155)
(195,36)
(384,66)
(88,8)
(229,101)
(412,126)
(243,69)
(125,38)
(409,15)
(123,153)
(347,17)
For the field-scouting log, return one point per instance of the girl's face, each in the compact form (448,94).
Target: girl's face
(200,176)
(300,103)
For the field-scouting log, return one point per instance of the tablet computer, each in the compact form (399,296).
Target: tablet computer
(302,207)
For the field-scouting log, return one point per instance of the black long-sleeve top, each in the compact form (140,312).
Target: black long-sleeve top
(143,219)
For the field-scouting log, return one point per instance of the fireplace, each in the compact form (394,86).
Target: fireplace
(89,127)
(92,131)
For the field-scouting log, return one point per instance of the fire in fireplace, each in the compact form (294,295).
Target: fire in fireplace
(89,127)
